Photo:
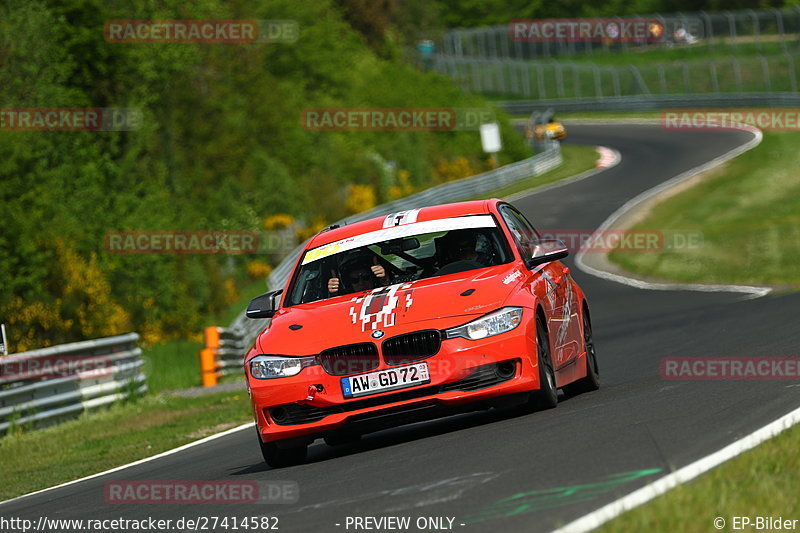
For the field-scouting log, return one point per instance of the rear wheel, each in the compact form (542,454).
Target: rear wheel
(592,380)
(547,395)
(278,457)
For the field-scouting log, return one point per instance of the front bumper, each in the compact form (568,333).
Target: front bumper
(464,374)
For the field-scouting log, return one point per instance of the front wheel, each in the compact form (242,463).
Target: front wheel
(278,457)
(547,395)
(592,379)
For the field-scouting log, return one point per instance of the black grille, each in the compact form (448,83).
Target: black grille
(480,378)
(411,347)
(350,359)
(296,413)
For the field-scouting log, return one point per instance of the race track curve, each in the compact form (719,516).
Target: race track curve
(500,471)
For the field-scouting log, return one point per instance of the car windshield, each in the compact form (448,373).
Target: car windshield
(398,255)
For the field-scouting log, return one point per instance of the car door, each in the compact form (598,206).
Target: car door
(559,301)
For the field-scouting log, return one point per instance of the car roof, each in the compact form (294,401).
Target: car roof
(436,212)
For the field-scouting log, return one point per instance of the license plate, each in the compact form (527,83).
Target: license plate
(386,380)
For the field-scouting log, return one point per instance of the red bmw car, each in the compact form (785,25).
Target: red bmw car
(412,316)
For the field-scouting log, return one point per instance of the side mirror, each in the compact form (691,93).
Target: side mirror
(547,250)
(263,306)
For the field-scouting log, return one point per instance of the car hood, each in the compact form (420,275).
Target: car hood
(307,329)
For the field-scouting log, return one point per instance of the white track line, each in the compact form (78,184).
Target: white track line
(753,292)
(140,461)
(645,494)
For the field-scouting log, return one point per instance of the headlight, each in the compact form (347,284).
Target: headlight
(495,323)
(278,366)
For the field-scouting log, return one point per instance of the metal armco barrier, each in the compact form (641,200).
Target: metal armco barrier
(47,386)
(722,30)
(653,103)
(454,191)
(223,354)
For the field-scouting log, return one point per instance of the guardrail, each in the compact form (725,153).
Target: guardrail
(723,30)
(454,191)
(579,79)
(653,103)
(223,354)
(47,386)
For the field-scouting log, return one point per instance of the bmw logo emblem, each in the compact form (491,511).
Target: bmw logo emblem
(377,334)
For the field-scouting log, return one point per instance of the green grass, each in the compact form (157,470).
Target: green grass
(680,70)
(643,56)
(609,115)
(760,482)
(749,214)
(123,433)
(578,115)
(172,365)
(175,364)
(577,159)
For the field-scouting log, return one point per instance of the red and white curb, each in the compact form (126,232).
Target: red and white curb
(611,162)
(608,157)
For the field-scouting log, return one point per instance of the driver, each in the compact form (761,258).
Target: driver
(359,275)
(464,250)
(460,246)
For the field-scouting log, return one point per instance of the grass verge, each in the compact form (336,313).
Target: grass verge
(748,211)
(577,159)
(681,70)
(123,433)
(760,482)
(175,364)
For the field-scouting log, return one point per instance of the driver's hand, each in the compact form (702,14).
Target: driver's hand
(333,283)
(379,271)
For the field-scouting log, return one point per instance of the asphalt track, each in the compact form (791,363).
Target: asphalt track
(500,471)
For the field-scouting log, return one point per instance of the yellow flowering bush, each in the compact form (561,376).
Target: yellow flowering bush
(279,221)
(360,198)
(446,170)
(258,269)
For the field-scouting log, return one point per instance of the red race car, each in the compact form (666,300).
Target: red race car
(413,316)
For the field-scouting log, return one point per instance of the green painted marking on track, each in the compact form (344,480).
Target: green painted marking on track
(536,500)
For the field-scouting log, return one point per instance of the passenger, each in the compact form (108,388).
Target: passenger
(460,246)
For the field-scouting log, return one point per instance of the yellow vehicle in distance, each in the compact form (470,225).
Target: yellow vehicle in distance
(552,131)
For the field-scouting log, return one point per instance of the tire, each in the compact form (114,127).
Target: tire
(547,395)
(278,457)
(592,380)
